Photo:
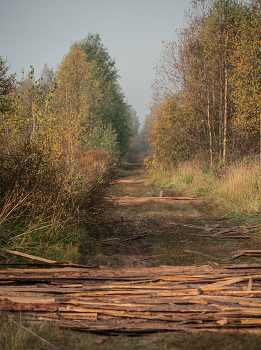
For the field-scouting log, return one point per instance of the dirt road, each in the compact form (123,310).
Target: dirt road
(154,233)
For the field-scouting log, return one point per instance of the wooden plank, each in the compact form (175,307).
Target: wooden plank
(251,321)
(127,199)
(78,316)
(144,327)
(43,271)
(47,261)
(132,181)
(32,257)
(250,284)
(246,252)
(223,283)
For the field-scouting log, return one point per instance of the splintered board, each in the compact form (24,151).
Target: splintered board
(137,300)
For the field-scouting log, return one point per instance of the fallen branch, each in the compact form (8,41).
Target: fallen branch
(141,235)
(216,226)
(151,257)
(235,229)
(191,226)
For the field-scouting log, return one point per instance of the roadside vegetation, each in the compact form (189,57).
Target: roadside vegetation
(62,138)
(204,123)
(235,188)
(206,94)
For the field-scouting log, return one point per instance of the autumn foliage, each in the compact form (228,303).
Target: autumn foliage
(211,74)
(61,138)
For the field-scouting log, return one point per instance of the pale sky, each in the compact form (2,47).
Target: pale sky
(35,32)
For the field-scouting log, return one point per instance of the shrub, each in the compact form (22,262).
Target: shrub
(45,201)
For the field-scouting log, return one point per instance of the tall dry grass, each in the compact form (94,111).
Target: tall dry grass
(236,187)
(46,204)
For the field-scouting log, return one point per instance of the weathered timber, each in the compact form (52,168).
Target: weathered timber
(136,301)
(127,199)
(46,261)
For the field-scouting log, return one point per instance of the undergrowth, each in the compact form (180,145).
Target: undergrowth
(235,188)
(48,204)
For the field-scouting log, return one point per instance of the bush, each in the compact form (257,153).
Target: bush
(48,201)
(30,180)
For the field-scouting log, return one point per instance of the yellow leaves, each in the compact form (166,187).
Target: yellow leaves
(165,135)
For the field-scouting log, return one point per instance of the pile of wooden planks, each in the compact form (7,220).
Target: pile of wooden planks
(137,300)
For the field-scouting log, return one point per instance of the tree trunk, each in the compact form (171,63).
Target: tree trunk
(225,100)
(260,138)
(66,105)
(225,119)
(33,118)
(220,127)
(210,134)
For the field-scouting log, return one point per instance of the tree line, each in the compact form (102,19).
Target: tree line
(61,139)
(79,106)
(206,97)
